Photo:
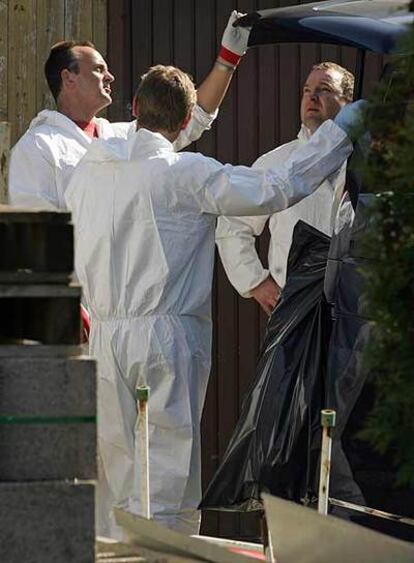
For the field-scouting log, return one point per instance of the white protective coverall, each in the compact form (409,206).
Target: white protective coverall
(235,236)
(145,220)
(43,160)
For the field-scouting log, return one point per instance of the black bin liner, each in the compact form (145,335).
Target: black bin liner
(276,444)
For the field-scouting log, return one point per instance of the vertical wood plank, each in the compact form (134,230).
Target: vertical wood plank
(78,20)
(162,32)
(99,32)
(205,53)
(4,159)
(50,30)
(141,21)
(183,40)
(100,25)
(268,133)
(268,98)
(258,104)
(120,21)
(373,68)
(348,58)
(22,65)
(4,30)
(248,151)
(331,53)
(227,302)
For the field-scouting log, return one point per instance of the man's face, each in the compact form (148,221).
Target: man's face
(92,85)
(322,97)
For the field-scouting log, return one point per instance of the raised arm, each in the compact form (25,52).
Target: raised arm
(212,90)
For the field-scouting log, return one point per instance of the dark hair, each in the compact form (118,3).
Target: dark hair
(165,96)
(61,56)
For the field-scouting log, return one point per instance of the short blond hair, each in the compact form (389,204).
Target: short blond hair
(347,82)
(165,96)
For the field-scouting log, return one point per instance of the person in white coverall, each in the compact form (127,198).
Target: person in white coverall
(145,221)
(326,90)
(43,160)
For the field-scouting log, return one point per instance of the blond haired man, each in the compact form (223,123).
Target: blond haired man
(327,89)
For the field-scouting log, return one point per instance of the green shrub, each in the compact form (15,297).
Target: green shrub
(389,277)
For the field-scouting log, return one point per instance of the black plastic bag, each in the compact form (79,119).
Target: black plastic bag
(276,444)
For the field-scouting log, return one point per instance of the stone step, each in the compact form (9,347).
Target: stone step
(45,314)
(48,522)
(47,418)
(28,349)
(34,242)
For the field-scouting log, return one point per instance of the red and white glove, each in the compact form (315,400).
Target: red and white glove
(234,40)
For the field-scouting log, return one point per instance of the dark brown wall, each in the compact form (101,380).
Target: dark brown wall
(259,113)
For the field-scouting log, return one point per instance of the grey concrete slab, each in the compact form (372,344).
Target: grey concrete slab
(48,451)
(47,386)
(50,522)
(151,535)
(47,418)
(301,535)
(28,349)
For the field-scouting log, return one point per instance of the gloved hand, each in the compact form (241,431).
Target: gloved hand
(349,119)
(234,40)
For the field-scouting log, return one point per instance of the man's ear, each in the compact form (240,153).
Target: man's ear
(68,77)
(186,120)
(135,108)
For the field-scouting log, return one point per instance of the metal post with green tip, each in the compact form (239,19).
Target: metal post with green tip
(142,394)
(328,420)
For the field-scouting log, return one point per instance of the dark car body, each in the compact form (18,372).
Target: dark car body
(373,25)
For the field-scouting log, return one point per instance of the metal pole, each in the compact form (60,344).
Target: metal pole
(142,395)
(328,418)
(372,511)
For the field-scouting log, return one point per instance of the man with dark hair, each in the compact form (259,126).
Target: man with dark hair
(145,256)
(44,158)
(62,56)
(327,89)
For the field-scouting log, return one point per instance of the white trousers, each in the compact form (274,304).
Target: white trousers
(171,354)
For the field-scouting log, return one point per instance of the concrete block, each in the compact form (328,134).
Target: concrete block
(27,350)
(49,522)
(47,418)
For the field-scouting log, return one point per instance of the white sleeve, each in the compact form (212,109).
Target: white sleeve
(200,121)
(239,190)
(32,181)
(235,239)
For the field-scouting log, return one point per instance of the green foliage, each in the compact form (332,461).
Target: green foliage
(389,277)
